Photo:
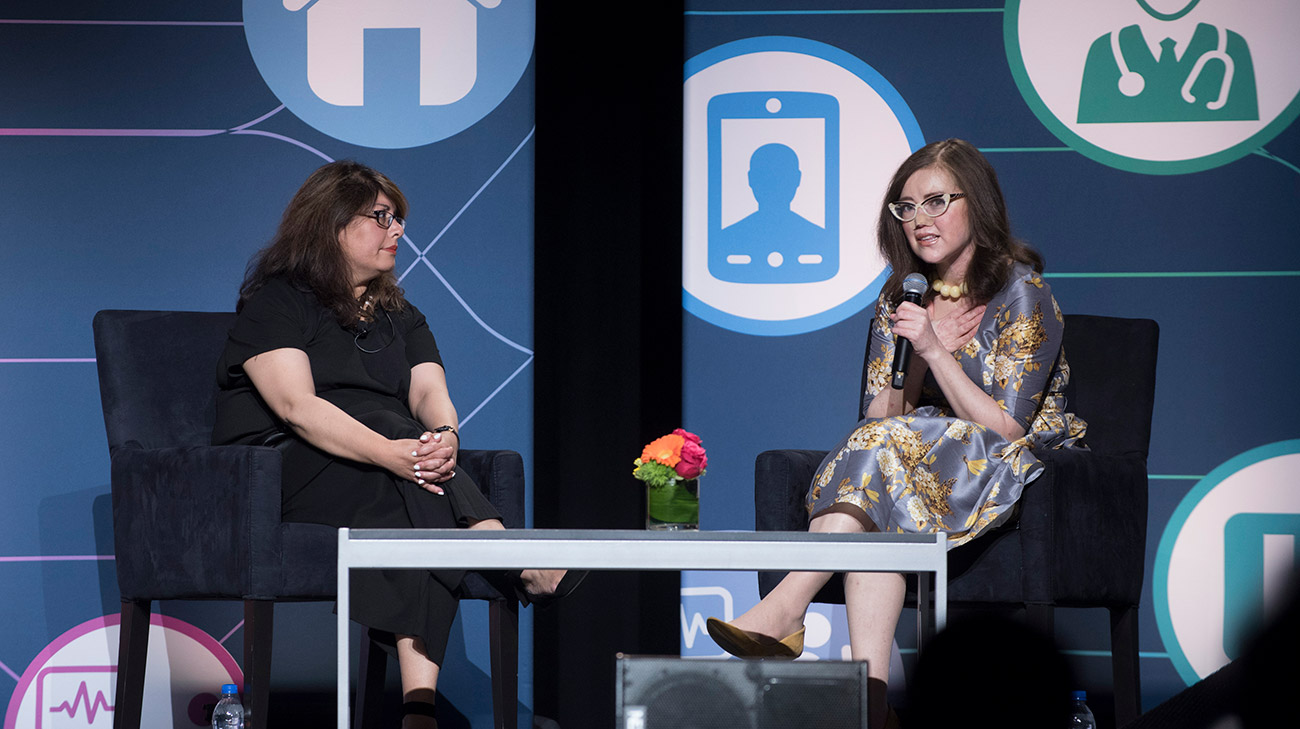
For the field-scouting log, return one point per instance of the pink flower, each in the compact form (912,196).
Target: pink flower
(693,460)
(687,435)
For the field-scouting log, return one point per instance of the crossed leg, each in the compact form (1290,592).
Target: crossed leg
(419,680)
(420,674)
(873,602)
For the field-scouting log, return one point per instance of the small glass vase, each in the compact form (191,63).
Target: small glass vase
(673,508)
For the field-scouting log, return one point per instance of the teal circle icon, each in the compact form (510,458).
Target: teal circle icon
(1156,87)
(1227,558)
(390,74)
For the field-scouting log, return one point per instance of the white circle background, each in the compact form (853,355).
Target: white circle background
(1055,36)
(1196,564)
(872,145)
(179,668)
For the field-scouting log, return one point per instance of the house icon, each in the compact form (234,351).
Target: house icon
(448,63)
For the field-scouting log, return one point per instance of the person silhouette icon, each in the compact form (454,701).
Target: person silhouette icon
(774,244)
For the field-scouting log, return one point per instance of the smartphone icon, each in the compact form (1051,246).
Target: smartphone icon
(773,187)
(1260,555)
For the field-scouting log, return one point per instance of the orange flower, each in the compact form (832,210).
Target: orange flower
(666,450)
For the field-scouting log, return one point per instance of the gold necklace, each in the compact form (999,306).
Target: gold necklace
(950,291)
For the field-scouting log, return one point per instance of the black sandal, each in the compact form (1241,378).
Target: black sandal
(568,583)
(419,708)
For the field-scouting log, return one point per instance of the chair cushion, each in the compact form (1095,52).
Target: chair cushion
(1079,537)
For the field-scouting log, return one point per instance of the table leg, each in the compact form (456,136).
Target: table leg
(344,610)
(924,610)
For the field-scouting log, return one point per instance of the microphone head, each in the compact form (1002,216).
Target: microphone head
(915,283)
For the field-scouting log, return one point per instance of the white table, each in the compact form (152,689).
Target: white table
(634,550)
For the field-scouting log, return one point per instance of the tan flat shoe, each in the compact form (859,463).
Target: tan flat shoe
(744,644)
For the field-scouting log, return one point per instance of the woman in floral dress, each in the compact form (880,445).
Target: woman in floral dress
(952,450)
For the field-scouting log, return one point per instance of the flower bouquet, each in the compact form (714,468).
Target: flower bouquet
(671,467)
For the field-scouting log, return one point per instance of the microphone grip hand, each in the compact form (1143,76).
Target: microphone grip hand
(902,351)
(902,359)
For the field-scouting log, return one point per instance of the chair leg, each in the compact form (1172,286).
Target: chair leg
(1125,672)
(925,608)
(503,618)
(132,656)
(1041,618)
(373,670)
(258,619)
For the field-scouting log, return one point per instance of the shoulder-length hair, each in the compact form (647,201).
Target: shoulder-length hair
(996,251)
(306,249)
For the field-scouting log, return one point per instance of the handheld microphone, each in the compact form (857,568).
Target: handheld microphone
(914,287)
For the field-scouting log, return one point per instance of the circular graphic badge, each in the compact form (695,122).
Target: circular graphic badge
(788,145)
(73,682)
(1158,86)
(1227,558)
(390,73)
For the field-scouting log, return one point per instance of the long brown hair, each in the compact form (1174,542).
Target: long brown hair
(996,251)
(306,249)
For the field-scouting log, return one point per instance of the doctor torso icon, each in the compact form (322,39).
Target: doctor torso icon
(336,29)
(1205,76)
(773,244)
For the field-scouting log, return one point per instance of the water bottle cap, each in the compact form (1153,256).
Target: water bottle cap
(229,688)
(1079,695)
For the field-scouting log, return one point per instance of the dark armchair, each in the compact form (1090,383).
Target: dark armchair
(194,521)
(1080,538)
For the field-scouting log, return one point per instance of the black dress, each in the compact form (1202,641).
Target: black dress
(369,378)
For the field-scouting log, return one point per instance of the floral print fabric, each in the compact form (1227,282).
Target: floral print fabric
(927,471)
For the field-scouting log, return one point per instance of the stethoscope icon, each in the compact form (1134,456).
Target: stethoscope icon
(1131,82)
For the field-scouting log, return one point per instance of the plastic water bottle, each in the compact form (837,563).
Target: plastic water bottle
(229,713)
(1080,715)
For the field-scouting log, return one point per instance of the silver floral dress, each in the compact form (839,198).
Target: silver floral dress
(927,471)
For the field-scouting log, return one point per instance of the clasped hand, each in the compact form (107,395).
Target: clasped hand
(427,461)
(931,337)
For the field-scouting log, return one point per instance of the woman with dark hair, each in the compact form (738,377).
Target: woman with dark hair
(952,450)
(330,364)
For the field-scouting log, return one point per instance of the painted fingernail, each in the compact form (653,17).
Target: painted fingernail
(415,454)
(417,469)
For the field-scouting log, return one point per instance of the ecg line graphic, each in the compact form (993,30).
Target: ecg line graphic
(47,682)
(83,695)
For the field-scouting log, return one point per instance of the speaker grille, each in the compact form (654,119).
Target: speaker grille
(663,693)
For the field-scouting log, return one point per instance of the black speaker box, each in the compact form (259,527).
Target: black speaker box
(662,693)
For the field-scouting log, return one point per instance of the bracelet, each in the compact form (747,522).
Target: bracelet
(445,428)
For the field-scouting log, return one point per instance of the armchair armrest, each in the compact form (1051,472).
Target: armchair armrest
(781,480)
(186,520)
(1089,512)
(500,476)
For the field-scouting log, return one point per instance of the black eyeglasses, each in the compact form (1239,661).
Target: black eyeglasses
(384,218)
(931,206)
(363,331)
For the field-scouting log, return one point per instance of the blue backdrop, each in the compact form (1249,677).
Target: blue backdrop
(1195,237)
(145,155)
